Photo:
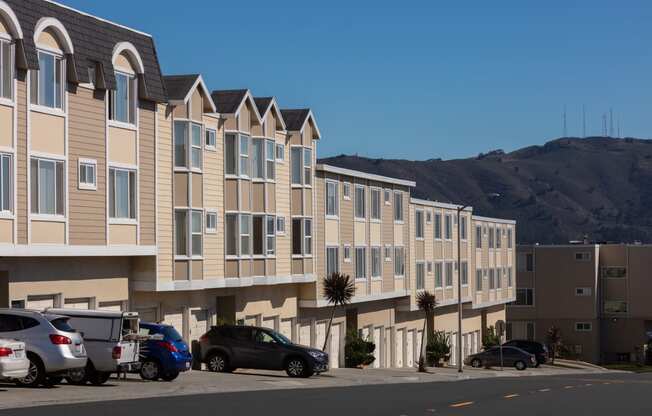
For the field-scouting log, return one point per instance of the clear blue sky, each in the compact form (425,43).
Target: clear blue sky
(412,79)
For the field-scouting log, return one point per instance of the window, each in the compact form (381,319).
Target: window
(360,263)
(244,155)
(439,281)
(583,291)
(463,233)
(614,272)
(347,254)
(418,222)
(280,225)
(48,187)
(307,166)
(332,260)
(47,81)
(498,237)
(465,273)
(270,166)
(491,237)
(331,198)
(387,196)
(492,280)
(509,238)
(6,69)
(421,276)
(448,227)
(499,278)
(280,152)
(478,237)
(230,155)
(583,256)
(583,327)
(375,204)
(307,236)
(197,227)
(360,211)
(122,193)
(211,139)
(271,235)
(429,267)
(183,130)
(87,176)
(510,278)
(231,233)
(6,183)
(245,235)
(399,261)
(525,262)
(258,234)
(196,151)
(301,236)
(258,158)
(428,217)
(615,306)
(478,280)
(376,263)
(438,226)
(185,245)
(296,160)
(211,222)
(122,103)
(398,206)
(181,232)
(388,252)
(449,274)
(346,190)
(524,297)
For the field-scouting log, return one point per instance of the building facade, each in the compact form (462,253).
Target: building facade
(122,188)
(594,293)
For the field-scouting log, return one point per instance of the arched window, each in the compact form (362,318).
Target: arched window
(9,31)
(127,65)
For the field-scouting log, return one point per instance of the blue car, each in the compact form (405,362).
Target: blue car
(165,356)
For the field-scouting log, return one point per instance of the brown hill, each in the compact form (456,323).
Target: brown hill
(568,188)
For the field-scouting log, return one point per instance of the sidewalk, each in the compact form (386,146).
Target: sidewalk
(202,382)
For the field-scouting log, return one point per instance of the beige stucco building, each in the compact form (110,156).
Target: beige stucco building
(122,188)
(596,294)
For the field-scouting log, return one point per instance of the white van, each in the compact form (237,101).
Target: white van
(111,341)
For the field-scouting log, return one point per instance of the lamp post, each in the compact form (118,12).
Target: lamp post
(459,286)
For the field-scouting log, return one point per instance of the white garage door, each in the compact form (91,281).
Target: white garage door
(285,328)
(409,346)
(453,359)
(399,347)
(388,347)
(334,350)
(320,334)
(376,340)
(173,318)
(40,303)
(269,323)
(149,315)
(112,306)
(78,303)
(198,324)
(417,350)
(304,334)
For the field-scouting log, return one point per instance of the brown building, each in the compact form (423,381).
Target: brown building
(596,294)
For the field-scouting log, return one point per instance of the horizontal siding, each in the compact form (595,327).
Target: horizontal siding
(146,171)
(164,195)
(21,163)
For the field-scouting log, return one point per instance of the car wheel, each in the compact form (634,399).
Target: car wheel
(170,376)
(53,380)
(97,378)
(520,365)
(35,374)
(150,370)
(77,377)
(218,363)
(297,367)
(476,363)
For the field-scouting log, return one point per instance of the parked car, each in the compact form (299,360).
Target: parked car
(539,350)
(225,348)
(165,354)
(111,343)
(512,357)
(13,360)
(54,348)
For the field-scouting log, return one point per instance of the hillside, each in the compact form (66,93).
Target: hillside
(569,187)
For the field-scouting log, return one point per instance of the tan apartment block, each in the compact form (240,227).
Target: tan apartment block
(77,140)
(594,293)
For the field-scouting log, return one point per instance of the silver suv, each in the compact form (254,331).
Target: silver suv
(54,349)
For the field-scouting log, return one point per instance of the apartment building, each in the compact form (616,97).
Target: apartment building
(122,188)
(596,294)
(78,109)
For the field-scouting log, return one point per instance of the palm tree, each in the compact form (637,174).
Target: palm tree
(338,290)
(426,302)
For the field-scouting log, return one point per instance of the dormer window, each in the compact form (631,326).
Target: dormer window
(122,103)
(47,83)
(6,69)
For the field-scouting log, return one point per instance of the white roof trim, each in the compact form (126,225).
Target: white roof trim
(98,18)
(250,97)
(199,82)
(131,49)
(51,22)
(496,220)
(273,104)
(11,19)
(493,303)
(218,283)
(363,175)
(438,204)
(60,250)
(322,303)
(308,118)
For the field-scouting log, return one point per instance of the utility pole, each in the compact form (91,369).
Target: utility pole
(584,120)
(565,130)
(611,122)
(459,286)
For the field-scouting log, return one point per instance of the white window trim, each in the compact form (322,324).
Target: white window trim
(390,193)
(416,275)
(445,274)
(344,195)
(380,265)
(86,186)
(121,124)
(416,224)
(278,230)
(123,166)
(355,203)
(371,204)
(57,53)
(206,214)
(402,220)
(9,214)
(399,276)
(344,258)
(335,216)
(589,329)
(212,148)
(355,268)
(391,249)
(282,146)
(459,273)
(514,305)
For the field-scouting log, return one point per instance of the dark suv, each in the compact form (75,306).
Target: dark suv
(536,348)
(227,347)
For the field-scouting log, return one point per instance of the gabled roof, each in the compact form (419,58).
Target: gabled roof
(295,120)
(94,40)
(181,87)
(265,104)
(231,101)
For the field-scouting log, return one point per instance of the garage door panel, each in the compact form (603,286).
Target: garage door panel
(334,350)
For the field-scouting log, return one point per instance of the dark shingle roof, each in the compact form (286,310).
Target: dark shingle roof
(294,119)
(178,86)
(228,101)
(93,42)
(262,103)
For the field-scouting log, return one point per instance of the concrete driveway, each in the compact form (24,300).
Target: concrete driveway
(203,382)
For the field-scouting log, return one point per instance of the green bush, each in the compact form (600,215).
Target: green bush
(490,338)
(357,350)
(438,349)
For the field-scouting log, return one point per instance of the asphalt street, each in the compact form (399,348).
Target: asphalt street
(594,394)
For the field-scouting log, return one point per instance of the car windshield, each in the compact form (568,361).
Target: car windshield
(171,333)
(62,324)
(280,338)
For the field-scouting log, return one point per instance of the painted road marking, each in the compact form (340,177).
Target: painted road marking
(511,396)
(569,387)
(588,385)
(544,390)
(462,404)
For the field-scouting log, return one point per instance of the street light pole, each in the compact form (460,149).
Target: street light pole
(459,287)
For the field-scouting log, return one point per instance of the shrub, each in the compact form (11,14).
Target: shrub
(357,350)
(438,349)
(490,338)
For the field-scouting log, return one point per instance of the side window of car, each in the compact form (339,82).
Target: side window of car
(28,322)
(263,337)
(242,334)
(10,323)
